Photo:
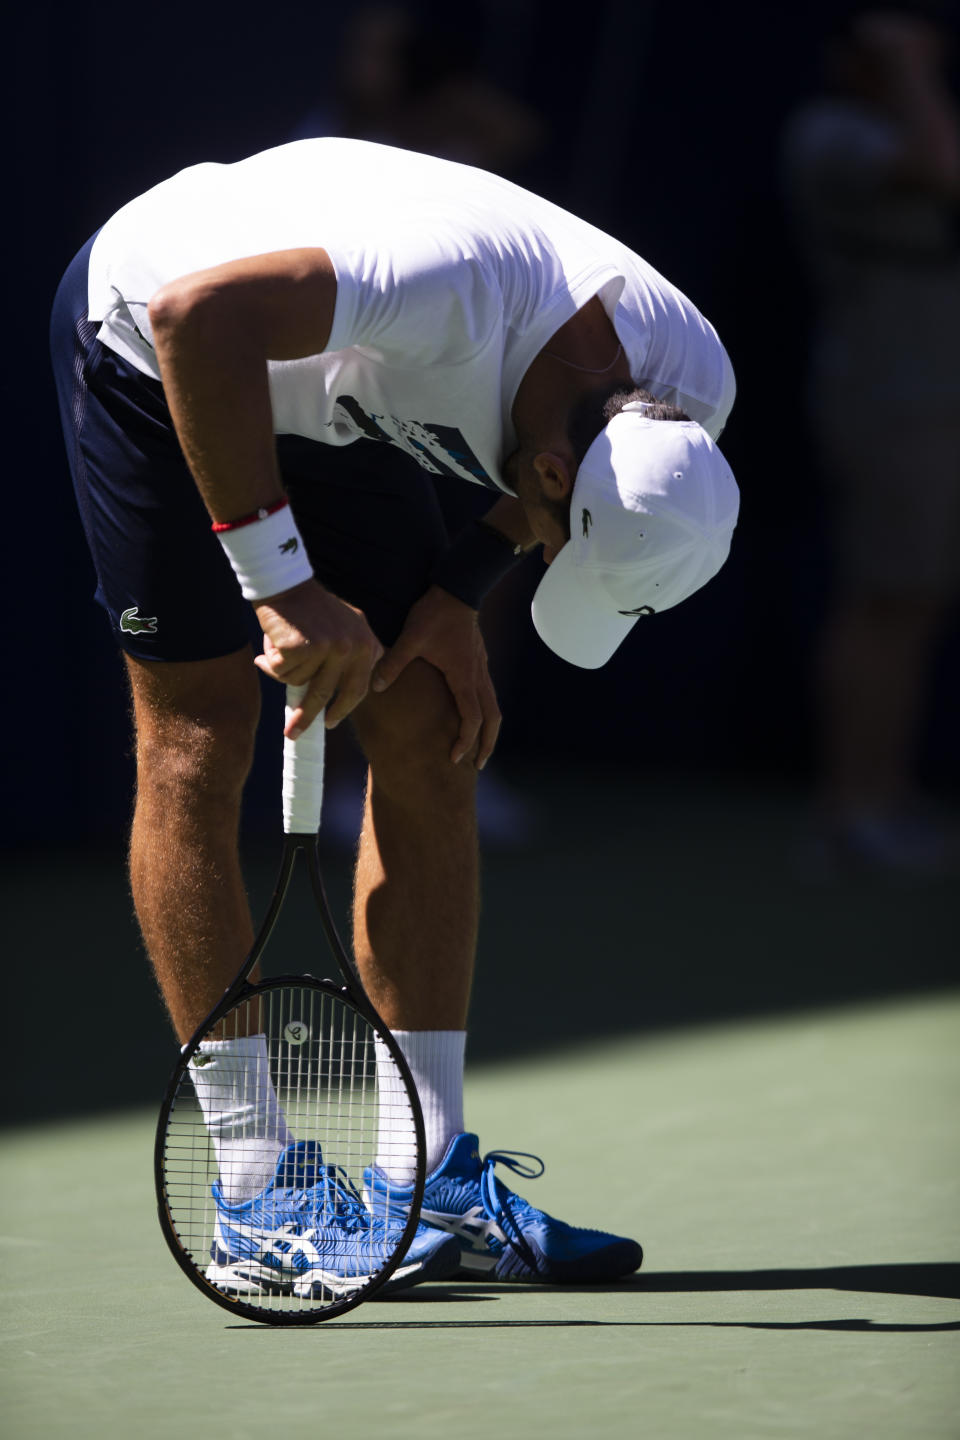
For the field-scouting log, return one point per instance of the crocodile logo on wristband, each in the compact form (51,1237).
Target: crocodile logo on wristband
(290,547)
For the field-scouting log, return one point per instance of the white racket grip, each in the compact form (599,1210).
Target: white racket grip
(302,772)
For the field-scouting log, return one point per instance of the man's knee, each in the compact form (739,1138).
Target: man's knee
(195,729)
(407,734)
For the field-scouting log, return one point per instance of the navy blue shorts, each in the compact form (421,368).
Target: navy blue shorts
(368,514)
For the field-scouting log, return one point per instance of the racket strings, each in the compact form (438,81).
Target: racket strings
(310,1091)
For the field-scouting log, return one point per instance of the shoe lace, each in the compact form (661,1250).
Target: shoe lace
(494,1194)
(333,1199)
(501,1204)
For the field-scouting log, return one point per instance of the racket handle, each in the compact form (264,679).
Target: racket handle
(302,772)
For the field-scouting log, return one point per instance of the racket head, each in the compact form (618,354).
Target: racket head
(306,1248)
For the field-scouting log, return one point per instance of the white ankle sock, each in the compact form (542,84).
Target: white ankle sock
(435,1058)
(243,1116)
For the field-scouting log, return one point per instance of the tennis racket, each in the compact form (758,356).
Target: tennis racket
(272,1116)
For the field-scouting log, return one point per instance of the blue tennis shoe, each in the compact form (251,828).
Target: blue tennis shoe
(499,1233)
(310,1233)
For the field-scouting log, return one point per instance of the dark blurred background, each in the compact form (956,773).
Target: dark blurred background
(677,778)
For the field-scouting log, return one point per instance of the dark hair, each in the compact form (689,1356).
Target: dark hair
(599,407)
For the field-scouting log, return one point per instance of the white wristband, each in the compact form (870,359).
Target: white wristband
(267,555)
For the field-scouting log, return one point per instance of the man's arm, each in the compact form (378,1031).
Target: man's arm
(508,516)
(214,332)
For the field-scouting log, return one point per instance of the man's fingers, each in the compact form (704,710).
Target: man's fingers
(392,663)
(351,689)
(288,672)
(263,663)
(471,718)
(337,673)
(320,688)
(490,729)
(293,666)
(337,688)
(295,725)
(270,661)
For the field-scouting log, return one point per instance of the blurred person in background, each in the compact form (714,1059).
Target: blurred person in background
(411,76)
(872,169)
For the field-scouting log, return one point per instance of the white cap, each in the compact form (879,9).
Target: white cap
(652,515)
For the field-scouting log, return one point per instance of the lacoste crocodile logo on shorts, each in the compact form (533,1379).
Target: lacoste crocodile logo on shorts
(133,624)
(586,520)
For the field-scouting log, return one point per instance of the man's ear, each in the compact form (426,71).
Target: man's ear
(556,473)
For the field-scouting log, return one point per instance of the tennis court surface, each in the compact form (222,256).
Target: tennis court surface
(795,1182)
(755,1071)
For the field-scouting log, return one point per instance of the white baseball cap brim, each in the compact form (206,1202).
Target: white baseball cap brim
(652,515)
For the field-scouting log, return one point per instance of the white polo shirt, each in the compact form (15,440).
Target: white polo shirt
(449,282)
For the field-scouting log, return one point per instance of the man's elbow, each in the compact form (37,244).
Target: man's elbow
(181,305)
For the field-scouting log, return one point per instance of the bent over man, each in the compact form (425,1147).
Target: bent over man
(261,367)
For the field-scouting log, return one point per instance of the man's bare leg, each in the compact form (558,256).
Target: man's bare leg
(195,726)
(416,899)
(416,903)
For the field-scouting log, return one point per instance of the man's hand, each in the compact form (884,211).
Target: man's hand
(446,632)
(312,638)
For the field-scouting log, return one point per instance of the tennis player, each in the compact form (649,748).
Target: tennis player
(261,368)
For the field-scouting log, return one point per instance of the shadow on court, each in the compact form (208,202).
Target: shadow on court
(858,1326)
(938,1281)
(627,906)
(929,1280)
